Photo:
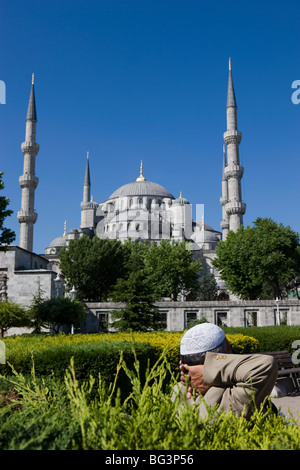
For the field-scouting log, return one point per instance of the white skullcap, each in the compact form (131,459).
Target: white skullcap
(201,338)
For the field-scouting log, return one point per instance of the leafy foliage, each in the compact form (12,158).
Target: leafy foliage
(92,266)
(270,338)
(55,415)
(52,353)
(138,294)
(57,312)
(171,269)
(36,322)
(101,268)
(260,262)
(208,288)
(12,315)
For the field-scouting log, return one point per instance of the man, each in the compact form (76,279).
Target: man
(237,382)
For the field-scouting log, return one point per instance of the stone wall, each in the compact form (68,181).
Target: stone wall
(20,274)
(224,313)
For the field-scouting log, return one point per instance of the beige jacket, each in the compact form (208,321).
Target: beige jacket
(234,378)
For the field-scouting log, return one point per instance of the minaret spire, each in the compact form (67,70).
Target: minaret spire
(87,181)
(31,111)
(28,181)
(233,172)
(231,101)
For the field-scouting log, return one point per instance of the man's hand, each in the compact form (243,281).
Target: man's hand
(195,378)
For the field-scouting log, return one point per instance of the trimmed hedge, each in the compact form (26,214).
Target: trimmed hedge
(100,354)
(90,359)
(243,344)
(270,338)
(51,354)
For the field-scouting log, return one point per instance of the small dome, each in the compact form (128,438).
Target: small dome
(181,201)
(58,242)
(210,236)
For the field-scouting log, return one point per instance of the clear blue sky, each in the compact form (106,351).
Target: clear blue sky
(137,79)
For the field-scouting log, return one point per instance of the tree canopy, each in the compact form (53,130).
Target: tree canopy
(138,294)
(171,269)
(57,312)
(92,266)
(7,236)
(13,315)
(208,288)
(260,262)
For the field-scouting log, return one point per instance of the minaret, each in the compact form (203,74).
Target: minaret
(88,206)
(233,172)
(224,199)
(28,181)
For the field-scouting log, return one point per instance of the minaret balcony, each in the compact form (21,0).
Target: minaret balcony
(88,205)
(224,225)
(26,217)
(223,201)
(232,137)
(30,147)
(28,181)
(234,171)
(235,207)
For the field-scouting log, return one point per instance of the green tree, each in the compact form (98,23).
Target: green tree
(57,312)
(171,270)
(208,288)
(138,294)
(260,262)
(37,300)
(12,315)
(7,236)
(92,266)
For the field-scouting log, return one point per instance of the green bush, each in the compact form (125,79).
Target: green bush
(53,353)
(270,338)
(90,359)
(242,344)
(56,415)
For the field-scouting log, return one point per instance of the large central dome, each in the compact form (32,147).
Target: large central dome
(141,187)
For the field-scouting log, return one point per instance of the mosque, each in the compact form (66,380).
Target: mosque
(139,210)
(145,210)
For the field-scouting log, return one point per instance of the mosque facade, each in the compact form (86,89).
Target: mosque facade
(146,211)
(140,210)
